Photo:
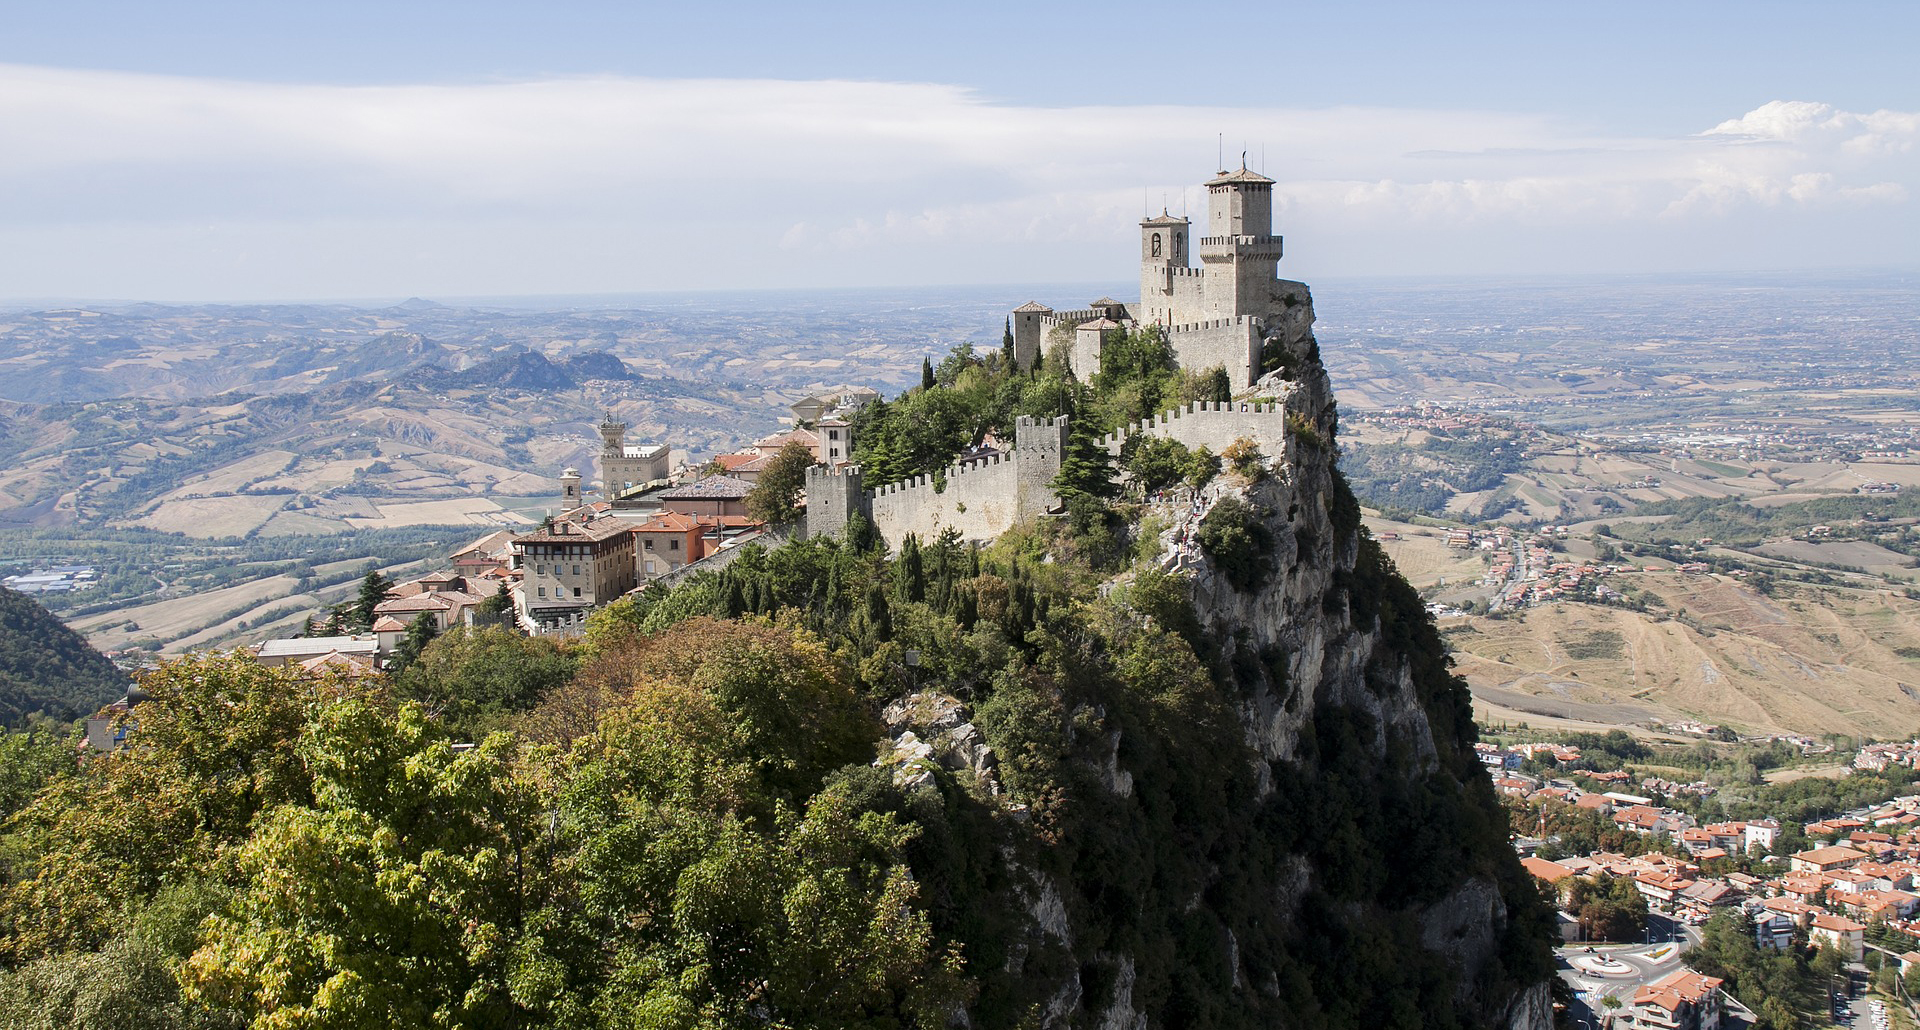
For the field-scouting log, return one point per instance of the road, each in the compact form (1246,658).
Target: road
(1639,964)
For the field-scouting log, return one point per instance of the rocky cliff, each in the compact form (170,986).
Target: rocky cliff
(1304,839)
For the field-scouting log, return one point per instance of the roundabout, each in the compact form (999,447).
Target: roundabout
(1598,966)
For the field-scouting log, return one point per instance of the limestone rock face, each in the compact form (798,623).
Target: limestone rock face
(1337,639)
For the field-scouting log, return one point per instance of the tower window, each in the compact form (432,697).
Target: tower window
(1156,244)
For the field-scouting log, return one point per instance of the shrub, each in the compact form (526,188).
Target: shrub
(1236,537)
(1244,457)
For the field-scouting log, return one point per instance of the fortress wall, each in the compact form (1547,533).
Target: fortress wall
(1214,425)
(980,501)
(1069,318)
(1231,343)
(1171,295)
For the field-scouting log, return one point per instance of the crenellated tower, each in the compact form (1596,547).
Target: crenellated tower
(1240,252)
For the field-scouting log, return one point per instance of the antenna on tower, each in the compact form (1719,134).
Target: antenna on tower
(1220,145)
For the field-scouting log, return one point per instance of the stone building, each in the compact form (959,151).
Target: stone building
(624,466)
(570,566)
(1218,313)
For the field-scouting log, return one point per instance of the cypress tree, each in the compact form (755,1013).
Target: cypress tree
(910,577)
(1006,343)
(879,616)
(926,373)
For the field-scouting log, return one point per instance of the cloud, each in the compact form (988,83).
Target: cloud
(604,181)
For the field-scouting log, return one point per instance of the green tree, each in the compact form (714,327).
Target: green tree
(1155,463)
(1235,536)
(926,374)
(500,603)
(420,633)
(1006,344)
(472,678)
(374,588)
(214,747)
(396,897)
(775,497)
(1609,908)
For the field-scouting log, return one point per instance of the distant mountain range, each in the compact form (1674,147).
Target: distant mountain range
(231,421)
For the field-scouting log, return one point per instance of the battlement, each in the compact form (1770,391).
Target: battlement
(955,475)
(824,473)
(1240,241)
(1195,424)
(1060,318)
(1217,323)
(1185,271)
(1030,435)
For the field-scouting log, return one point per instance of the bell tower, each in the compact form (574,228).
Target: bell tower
(1164,247)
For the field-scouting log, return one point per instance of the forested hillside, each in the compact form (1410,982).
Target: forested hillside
(839,784)
(46,667)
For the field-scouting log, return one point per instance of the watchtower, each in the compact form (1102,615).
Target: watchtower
(570,487)
(1240,252)
(1029,327)
(834,496)
(1038,449)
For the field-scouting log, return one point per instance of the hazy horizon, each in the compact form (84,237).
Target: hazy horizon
(350,149)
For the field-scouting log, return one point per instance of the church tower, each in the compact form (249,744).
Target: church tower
(1239,251)
(1163,257)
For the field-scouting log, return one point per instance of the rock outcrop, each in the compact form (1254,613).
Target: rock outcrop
(1363,876)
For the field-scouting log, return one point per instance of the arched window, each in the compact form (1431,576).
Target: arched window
(1156,244)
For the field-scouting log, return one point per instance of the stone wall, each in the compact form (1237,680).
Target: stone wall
(1214,425)
(980,501)
(1230,343)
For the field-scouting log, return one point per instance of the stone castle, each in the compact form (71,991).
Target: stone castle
(1226,313)
(1217,314)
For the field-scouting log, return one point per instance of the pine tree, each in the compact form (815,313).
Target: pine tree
(374,589)
(1086,469)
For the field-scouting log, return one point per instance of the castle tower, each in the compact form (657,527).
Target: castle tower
(1029,329)
(1038,450)
(1163,248)
(613,437)
(570,488)
(1240,252)
(834,496)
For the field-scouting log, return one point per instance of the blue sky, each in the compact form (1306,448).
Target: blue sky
(275,151)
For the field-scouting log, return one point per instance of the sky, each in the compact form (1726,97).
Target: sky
(203,151)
